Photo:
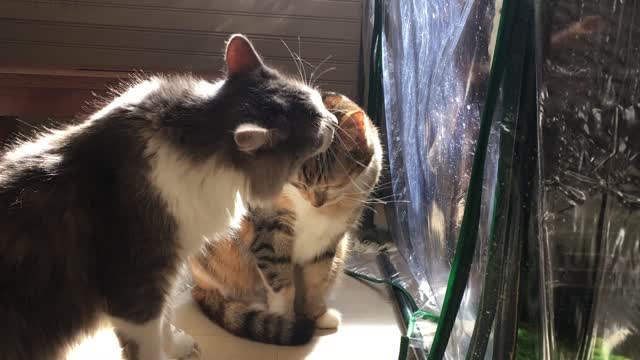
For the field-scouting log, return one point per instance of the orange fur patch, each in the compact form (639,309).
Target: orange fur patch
(247,232)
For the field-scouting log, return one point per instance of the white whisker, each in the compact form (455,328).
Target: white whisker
(317,67)
(325,71)
(294,61)
(301,63)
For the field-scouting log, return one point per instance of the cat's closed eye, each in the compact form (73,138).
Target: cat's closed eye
(299,186)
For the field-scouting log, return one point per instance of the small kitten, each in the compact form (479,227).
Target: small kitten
(95,219)
(268,280)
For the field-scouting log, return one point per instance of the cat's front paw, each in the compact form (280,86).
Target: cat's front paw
(331,319)
(281,302)
(183,346)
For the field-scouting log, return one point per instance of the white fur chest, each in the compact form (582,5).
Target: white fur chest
(205,199)
(314,229)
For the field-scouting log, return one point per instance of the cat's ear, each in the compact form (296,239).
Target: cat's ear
(240,55)
(250,137)
(331,99)
(354,128)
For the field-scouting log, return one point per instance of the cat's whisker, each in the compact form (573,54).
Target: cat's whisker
(394,202)
(385,183)
(345,147)
(362,203)
(349,176)
(382,187)
(374,201)
(367,190)
(304,70)
(308,63)
(362,200)
(305,61)
(339,111)
(347,134)
(317,67)
(355,183)
(294,60)
(301,63)
(26,123)
(387,197)
(374,186)
(341,164)
(324,72)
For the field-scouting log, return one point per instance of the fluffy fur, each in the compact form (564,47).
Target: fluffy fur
(268,280)
(96,218)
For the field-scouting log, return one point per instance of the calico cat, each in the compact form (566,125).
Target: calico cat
(96,218)
(268,279)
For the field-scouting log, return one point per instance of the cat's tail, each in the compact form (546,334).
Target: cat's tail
(245,321)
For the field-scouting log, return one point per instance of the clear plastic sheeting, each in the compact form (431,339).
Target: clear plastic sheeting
(436,60)
(589,218)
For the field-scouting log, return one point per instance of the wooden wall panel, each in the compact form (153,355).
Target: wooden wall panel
(54,44)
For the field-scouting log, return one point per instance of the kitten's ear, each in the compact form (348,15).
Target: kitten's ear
(331,99)
(240,55)
(355,129)
(250,137)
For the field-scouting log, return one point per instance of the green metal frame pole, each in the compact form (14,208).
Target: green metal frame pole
(467,239)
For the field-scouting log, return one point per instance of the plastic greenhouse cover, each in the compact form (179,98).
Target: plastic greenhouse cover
(589,137)
(436,59)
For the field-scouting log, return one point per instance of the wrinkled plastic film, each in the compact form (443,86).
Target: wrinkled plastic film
(589,224)
(436,66)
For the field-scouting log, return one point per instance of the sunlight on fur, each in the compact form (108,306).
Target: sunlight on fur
(103,345)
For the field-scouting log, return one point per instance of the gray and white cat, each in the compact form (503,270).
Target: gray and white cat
(95,219)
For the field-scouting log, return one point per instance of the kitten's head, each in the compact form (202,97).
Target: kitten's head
(259,122)
(351,166)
